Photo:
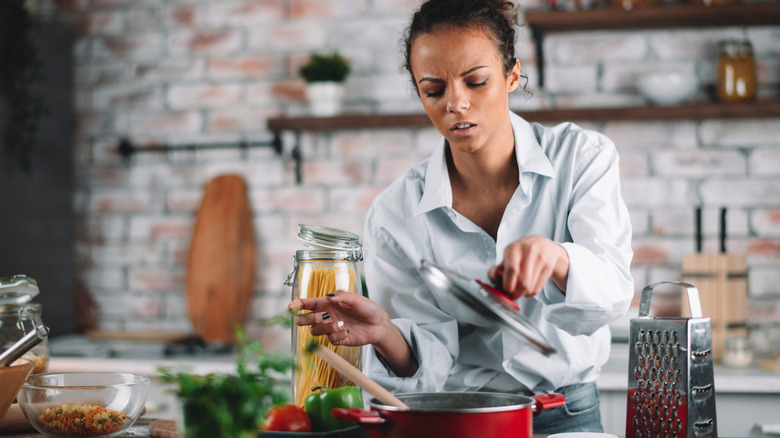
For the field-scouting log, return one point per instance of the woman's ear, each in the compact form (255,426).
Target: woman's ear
(513,77)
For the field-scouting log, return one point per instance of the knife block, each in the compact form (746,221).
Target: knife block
(722,283)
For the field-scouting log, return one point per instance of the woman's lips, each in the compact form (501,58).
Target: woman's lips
(463,128)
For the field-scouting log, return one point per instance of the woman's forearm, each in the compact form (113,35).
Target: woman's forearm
(396,352)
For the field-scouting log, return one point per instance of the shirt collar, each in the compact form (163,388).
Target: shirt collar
(437,192)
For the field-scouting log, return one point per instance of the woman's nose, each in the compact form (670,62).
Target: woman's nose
(457,100)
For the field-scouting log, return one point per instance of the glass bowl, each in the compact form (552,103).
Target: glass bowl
(83,404)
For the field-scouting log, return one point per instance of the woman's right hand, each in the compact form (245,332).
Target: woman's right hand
(354,320)
(345,318)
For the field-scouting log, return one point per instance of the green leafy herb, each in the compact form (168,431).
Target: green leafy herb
(232,405)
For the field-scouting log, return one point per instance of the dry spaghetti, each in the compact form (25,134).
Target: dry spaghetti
(317,281)
(82,420)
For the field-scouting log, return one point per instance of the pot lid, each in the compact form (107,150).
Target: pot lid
(319,237)
(485,300)
(18,289)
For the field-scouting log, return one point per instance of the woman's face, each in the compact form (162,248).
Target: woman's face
(463,87)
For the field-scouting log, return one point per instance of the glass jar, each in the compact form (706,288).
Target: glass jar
(736,72)
(330,264)
(717,2)
(633,4)
(18,317)
(737,352)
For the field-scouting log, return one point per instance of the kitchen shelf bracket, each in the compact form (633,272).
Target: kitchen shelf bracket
(538,36)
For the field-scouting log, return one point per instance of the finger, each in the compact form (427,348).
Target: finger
(295,305)
(339,337)
(320,304)
(311,318)
(544,275)
(326,328)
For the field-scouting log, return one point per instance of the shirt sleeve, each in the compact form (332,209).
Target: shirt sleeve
(393,281)
(599,286)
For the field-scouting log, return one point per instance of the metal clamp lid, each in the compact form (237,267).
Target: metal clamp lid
(693,298)
(18,289)
(319,237)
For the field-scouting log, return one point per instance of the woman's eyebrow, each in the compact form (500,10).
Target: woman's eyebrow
(465,73)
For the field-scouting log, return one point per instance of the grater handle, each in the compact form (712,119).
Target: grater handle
(693,298)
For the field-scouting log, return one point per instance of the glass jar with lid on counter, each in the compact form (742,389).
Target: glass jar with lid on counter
(18,317)
(736,72)
(330,264)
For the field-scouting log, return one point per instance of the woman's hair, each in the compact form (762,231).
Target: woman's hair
(497,18)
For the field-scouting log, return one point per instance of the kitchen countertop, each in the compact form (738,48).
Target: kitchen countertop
(750,379)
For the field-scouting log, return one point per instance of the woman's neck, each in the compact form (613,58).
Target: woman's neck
(483,182)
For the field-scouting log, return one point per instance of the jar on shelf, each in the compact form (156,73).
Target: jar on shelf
(330,263)
(736,72)
(716,2)
(633,4)
(18,317)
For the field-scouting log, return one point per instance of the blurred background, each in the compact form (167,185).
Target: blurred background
(107,236)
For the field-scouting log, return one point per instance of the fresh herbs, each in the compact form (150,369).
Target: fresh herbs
(232,405)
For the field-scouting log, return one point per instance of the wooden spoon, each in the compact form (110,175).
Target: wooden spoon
(352,373)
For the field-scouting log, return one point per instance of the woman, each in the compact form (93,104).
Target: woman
(538,209)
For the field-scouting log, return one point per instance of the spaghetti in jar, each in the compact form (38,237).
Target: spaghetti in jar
(736,72)
(330,265)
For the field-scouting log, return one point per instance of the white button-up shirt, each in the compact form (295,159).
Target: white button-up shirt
(569,191)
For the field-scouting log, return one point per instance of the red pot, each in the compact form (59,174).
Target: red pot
(453,415)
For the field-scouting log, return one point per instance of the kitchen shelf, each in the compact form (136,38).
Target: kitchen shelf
(701,111)
(660,17)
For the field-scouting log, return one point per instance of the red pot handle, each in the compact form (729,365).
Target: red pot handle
(548,401)
(365,418)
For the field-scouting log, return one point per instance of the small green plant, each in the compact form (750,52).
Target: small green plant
(232,405)
(322,68)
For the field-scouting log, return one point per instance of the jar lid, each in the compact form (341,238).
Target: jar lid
(18,289)
(318,237)
(485,300)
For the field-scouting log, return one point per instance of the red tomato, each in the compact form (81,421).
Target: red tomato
(287,418)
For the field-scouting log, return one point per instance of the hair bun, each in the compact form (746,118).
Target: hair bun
(508,9)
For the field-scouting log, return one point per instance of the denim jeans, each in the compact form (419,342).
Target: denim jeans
(579,414)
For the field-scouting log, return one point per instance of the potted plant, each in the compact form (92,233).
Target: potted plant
(324,76)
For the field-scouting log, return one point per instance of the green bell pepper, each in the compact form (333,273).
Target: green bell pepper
(319,406)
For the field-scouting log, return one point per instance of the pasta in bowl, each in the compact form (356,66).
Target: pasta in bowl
(83,404)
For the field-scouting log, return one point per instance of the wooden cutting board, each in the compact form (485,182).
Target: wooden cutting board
(221,261)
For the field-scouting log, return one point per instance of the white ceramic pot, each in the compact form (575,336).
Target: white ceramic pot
(324,98)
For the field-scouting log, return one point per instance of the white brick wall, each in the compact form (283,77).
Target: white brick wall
(206,70)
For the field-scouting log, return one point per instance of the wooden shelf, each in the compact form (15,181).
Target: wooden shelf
(659,17)
(758,110)
(757,14)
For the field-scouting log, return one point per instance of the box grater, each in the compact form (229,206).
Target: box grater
(671,392)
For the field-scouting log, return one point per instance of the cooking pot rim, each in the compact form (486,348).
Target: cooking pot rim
(513,402)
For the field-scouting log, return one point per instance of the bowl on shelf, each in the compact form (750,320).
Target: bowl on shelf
(83,404)
(11,380)
(668,87)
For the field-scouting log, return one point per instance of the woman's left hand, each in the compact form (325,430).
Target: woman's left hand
(528,263)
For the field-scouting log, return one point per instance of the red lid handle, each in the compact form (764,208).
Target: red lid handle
(501,295)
